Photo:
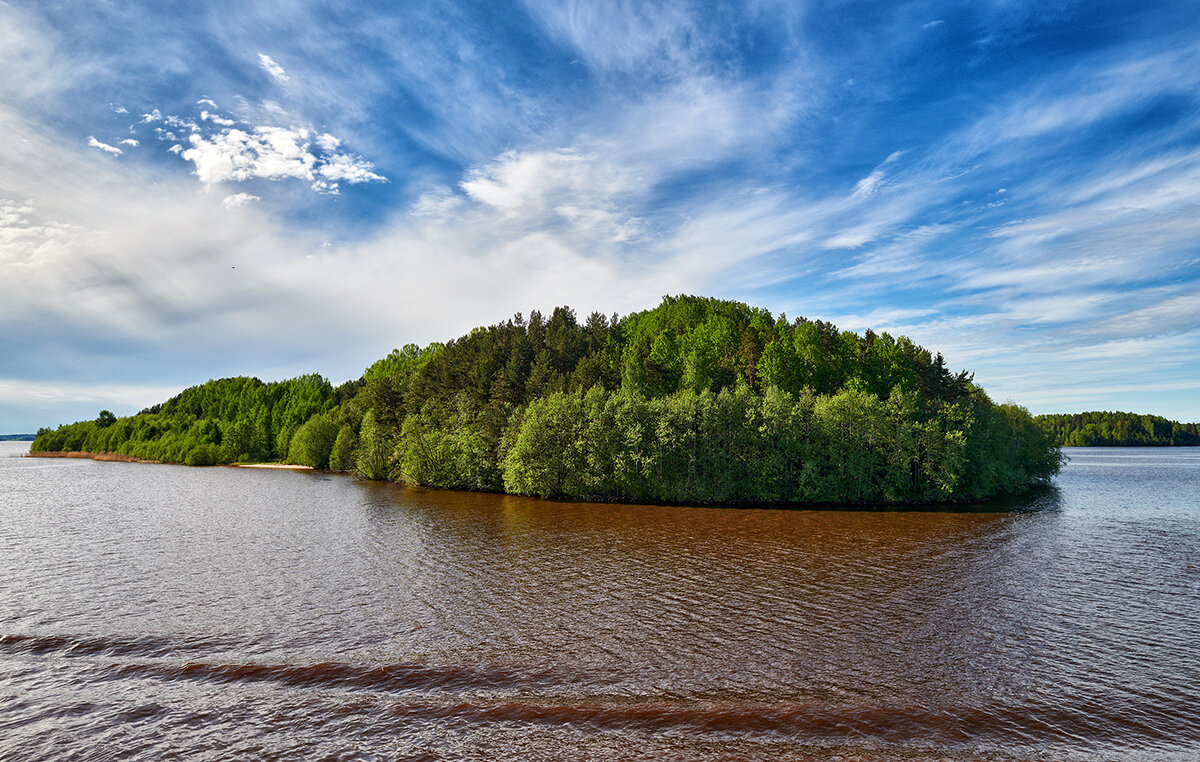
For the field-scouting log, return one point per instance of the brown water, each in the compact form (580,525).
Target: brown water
(170,612)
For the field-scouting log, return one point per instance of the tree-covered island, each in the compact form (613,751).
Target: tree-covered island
(695,401)
(1105,429)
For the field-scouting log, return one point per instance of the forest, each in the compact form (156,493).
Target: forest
(694,401)
(1104,429)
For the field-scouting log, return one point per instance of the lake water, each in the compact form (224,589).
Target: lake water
(213,613)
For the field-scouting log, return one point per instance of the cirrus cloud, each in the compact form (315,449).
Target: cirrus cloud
(270,67)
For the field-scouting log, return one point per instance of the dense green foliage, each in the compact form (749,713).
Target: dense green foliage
(341,457)
(313,442)
(737,446)
(373,457)
(697,400)
(233,419)
(1105,429)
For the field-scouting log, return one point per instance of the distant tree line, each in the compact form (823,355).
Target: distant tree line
(1104,429)
(697,400)
(226,421)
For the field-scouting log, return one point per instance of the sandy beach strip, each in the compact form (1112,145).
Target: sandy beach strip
(83,455)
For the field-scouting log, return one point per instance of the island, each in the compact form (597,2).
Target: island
(697,401)
(1105,429)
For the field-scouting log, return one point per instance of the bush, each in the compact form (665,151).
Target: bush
(341,458)
(373,460)
(312,442)
(203,455)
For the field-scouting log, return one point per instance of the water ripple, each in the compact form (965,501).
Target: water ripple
(167,612)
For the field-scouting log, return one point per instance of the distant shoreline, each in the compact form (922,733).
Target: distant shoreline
(119,458)
(17,437)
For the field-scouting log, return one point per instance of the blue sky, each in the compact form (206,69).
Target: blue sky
(197,190)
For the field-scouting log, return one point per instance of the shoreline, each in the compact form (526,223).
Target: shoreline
(85,455)
(999,502)
(119,458)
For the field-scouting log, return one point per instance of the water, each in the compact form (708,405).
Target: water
(168,612)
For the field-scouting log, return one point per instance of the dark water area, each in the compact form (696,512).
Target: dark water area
(166,612)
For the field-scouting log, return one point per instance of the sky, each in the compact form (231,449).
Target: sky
(200,190)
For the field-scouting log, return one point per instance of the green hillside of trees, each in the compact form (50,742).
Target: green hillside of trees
(696,400)
(1104,429)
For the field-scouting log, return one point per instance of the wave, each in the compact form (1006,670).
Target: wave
(101,645)
(490,694)
(457,694)
(941,726)
(385,677)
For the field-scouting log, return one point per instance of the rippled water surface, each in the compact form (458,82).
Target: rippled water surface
(215,613)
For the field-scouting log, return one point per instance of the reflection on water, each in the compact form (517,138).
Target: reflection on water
(220,612)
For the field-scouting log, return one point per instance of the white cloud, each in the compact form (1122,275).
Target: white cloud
(440,203)
(340,167)
(869,184)
(216,119)
(1167,314)
(179,122)
(276,153)
(1076,99)
(104,146)
(905,254)
(26,234)
(32,69)
(658,38)
(270,67)
(519,181)
(584,194)
(874,181)
(238,199)
(272,153)
(531,182)
(129,142)
(852,239)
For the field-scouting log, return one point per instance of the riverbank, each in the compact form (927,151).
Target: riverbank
(84,455)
